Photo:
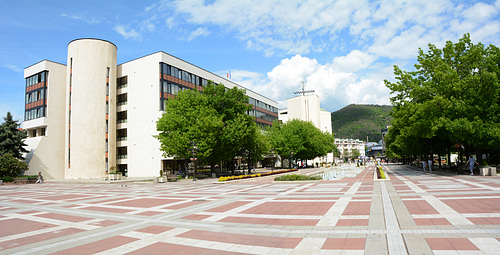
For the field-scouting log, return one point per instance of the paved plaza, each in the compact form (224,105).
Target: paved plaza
(412,213)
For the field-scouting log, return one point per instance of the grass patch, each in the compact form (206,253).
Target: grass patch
(297,177)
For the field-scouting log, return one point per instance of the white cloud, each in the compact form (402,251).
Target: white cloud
(393,29)
(13,68)
(354,61)
(336,88)
(365,37)
(198,32)
(131,33)
(82,17)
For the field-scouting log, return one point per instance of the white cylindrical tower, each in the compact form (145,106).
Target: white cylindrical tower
(90,141)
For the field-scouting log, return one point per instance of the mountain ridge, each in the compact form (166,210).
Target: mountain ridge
(361,121)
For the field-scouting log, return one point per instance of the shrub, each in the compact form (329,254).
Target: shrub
(7,179)
(239,177)
(297,177)
(11,166)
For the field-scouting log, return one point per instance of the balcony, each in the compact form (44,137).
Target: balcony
(121,89)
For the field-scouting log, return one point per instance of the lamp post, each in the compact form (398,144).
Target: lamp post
(194,148)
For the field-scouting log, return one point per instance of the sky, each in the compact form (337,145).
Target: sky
(343,50)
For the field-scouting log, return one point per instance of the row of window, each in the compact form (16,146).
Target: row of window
(261,115)
(262,105)
(37,78)
(34,113)
(183,75)
(172,88)
(35,96)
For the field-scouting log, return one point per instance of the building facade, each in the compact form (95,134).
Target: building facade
(346,146)
(307,108)
(90,115)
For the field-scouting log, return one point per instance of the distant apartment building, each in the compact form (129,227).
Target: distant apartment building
(91,114)
(346,146)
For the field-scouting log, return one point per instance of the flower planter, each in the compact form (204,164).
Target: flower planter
(485,171)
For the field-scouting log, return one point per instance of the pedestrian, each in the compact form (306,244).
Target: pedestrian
(424,165)
(471,162)
(40,178)
(430,165)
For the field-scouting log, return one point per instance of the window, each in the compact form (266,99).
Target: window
(33,133)
(122,82)
(174,72)
(165,86)
(42,131)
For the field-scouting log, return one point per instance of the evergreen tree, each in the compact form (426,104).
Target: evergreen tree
(11,138)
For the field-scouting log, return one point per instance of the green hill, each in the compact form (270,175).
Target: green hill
(361,121)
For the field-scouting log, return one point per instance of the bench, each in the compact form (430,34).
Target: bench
(171,178)
(21,180)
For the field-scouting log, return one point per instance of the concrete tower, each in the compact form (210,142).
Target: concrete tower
(90,140)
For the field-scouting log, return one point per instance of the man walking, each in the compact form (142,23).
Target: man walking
(424,165)
(430,165)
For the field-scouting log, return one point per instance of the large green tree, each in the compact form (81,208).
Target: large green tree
(300,139)
(215,118)
(451,98)
(11,138)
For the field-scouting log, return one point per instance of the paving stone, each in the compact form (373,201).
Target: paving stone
(411,213)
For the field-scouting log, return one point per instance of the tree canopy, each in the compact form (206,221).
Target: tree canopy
(451,99)
(11,138)
(216,119)
(301,139)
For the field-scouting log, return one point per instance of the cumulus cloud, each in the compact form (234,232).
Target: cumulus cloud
(335,86)
(130,33)
(354,61)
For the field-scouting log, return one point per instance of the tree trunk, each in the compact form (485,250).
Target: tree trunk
(479,156)
(439,160)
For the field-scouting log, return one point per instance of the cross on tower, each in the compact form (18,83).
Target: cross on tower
(303,91)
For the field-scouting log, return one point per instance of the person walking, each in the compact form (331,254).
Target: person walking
(40,178)
(424,165)
(430,165)
(470,163)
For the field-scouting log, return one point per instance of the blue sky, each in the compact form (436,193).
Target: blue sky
(341,49)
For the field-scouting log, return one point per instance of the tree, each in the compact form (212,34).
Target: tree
(255,147)
(215,119)
(355,153)
(11,138)
(11,166)
(300,139)
(451,98)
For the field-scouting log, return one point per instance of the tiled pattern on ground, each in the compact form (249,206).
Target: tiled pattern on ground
(412,213)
